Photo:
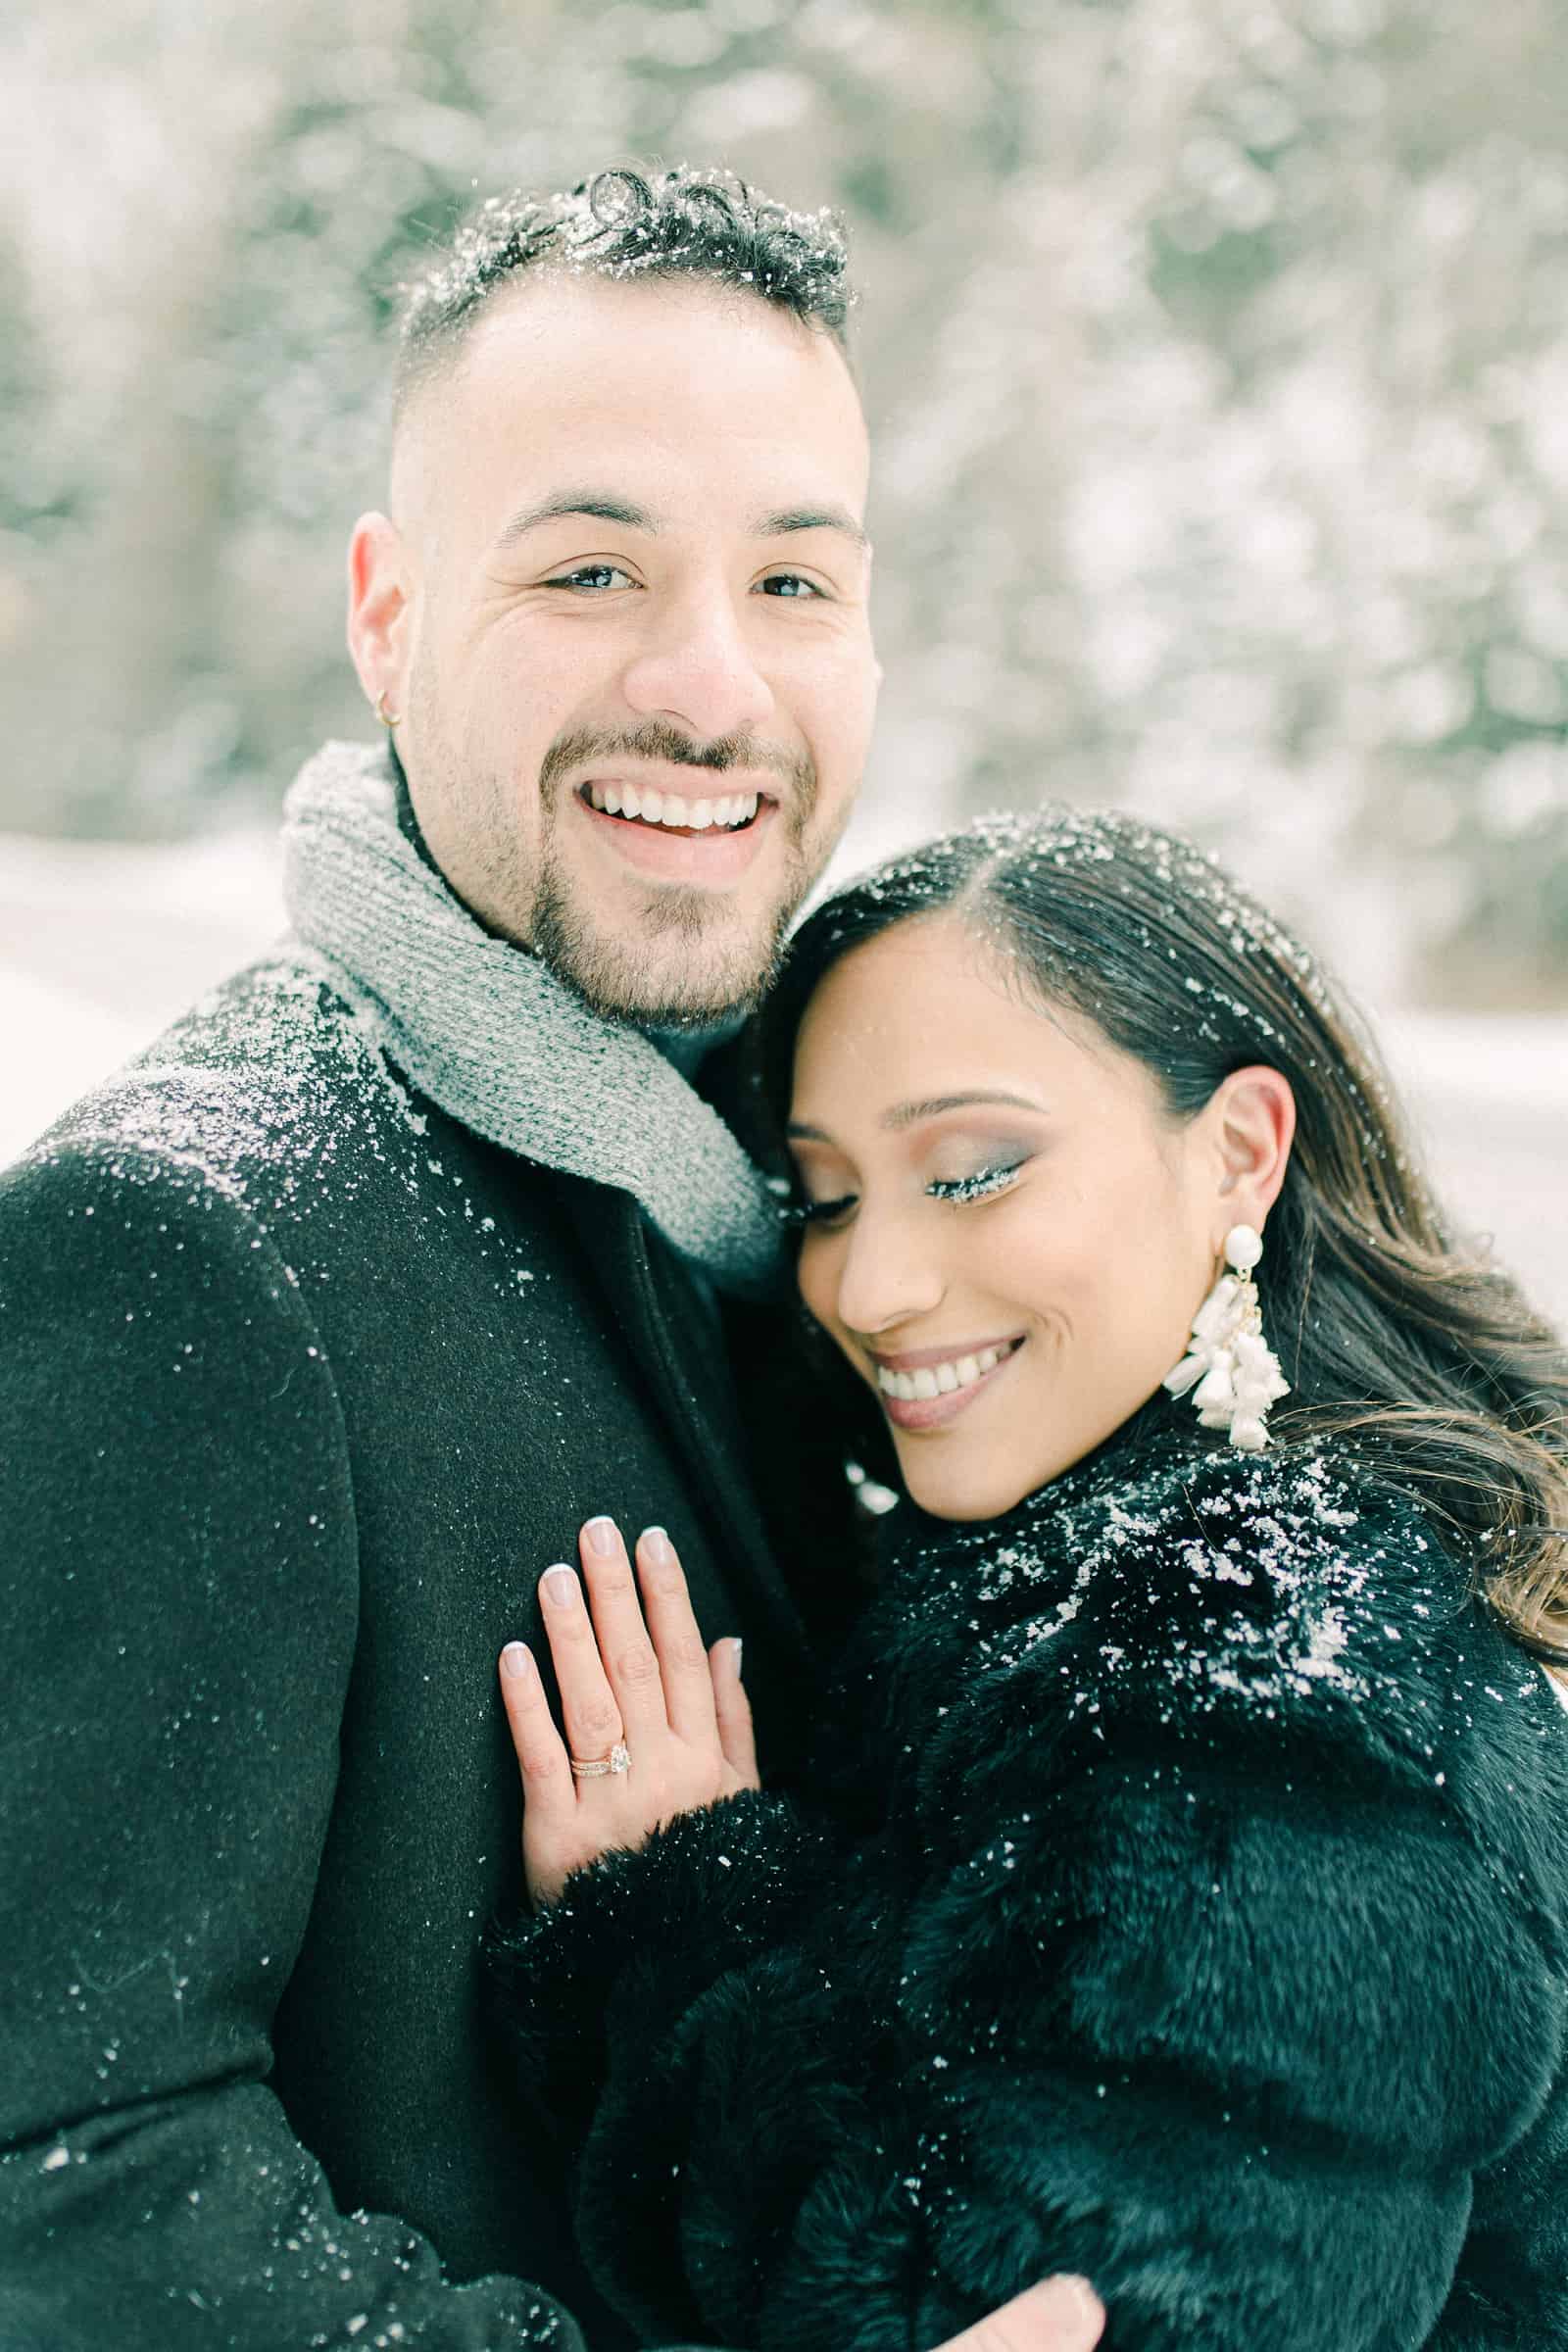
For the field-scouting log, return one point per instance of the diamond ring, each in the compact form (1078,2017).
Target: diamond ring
(618,1760)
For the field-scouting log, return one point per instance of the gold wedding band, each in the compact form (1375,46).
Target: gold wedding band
(618,1760)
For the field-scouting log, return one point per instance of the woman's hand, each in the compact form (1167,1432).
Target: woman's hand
(633,1685)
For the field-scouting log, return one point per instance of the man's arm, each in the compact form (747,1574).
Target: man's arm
(178,1600)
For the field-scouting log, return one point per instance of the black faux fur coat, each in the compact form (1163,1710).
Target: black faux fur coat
(1209,1939)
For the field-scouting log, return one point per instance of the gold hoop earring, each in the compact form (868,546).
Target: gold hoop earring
(384,713)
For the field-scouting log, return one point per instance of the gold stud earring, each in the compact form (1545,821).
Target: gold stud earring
(384,713)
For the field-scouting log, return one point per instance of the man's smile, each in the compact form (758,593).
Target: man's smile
(714,840)
(724,813)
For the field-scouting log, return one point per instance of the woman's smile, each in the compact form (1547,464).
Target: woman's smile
(928,1388)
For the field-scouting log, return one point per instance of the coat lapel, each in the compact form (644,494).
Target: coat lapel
(678,1345)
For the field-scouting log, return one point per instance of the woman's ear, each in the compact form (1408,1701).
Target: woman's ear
(1251,1123)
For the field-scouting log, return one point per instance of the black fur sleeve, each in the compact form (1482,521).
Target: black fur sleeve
(1216,1946)
(1235,1945)
(634,1938)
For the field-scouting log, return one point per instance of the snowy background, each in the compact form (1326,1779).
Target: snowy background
(1217,353)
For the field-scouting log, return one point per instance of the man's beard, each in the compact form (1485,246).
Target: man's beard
(711,977)
(702,977)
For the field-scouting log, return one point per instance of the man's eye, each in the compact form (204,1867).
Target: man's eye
(788,584)
(978,1186)
(590,577)
(800,1213)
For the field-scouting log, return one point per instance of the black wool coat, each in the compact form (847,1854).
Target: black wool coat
(1206,1935)
(301,1386)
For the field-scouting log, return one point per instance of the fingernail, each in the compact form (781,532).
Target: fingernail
(515,1661)
(1073,2300)
(560,1586)
(736,1645)
(656,1547)
(600,1535)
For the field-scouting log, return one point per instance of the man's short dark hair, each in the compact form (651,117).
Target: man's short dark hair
(627,223)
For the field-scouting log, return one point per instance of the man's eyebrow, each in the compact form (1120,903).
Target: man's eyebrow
(909,1114)
(813,519)
(562,505)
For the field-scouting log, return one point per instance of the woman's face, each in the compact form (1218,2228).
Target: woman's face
(1014,1235)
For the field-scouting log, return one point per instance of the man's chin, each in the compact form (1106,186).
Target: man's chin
(677,1008)
(681,965)
(682,994)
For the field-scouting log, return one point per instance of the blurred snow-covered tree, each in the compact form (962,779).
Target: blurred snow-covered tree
(1216,352)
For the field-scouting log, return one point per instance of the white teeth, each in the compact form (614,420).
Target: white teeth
(939,1380)
(668,809)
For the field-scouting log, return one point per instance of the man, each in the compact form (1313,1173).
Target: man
(323,1327)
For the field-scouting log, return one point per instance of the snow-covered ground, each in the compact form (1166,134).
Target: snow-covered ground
(100,945)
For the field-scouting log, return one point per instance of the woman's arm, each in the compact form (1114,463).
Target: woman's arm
(663,1865)
(1243,1965)
(1221,1994)
(621,1948)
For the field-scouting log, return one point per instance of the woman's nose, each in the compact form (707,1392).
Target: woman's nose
(887,1276)
(700,669)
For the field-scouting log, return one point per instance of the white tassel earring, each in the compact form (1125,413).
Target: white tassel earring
(1230,1367)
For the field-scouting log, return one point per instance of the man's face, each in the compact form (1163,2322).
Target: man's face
(628,569)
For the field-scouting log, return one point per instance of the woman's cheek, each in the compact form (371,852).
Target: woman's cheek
(817,1281)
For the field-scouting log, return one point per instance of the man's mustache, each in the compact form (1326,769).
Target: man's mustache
(655,740)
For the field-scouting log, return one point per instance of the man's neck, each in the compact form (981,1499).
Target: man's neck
(686,1049)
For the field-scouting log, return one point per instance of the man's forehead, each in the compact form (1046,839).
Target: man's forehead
(566,366)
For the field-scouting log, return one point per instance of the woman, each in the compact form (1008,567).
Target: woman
(1183,1900)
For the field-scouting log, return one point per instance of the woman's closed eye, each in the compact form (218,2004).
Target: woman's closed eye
(980,1186)
(817,1212)
(981,1183)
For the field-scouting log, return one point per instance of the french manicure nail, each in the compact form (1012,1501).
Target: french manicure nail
(515,1661)
(656,1547)
(736,1645)
(600,1535)
(560,1586)
(1073,2300)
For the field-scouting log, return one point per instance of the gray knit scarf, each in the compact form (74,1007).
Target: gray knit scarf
(489,1032)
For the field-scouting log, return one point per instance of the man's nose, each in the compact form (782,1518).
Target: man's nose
(697,668)
(888,1276)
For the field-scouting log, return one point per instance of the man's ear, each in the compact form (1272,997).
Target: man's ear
(1251,1122)
(379,610)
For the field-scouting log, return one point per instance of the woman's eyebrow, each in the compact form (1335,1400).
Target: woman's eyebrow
(909,1114)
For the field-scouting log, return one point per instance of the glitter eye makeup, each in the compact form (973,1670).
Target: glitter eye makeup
(981,1186)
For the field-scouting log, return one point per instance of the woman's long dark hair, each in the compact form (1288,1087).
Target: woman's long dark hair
(1394,1331)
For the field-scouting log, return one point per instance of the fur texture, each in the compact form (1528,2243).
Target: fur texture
(1212,1944)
